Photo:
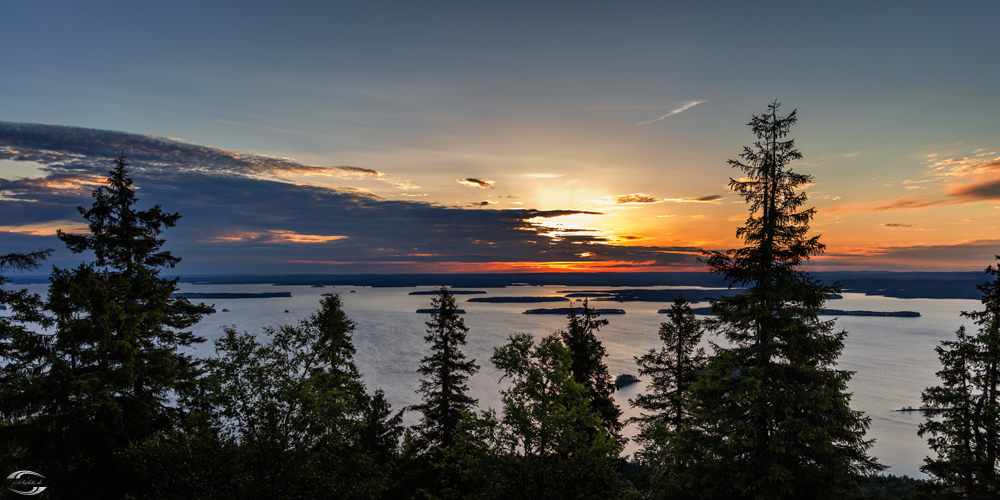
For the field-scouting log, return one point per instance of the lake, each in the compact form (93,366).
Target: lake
(893,358)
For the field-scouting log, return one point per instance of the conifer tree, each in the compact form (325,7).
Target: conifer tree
(19,345)
(672,369)
(552,438)
(296,415)
(110,371)
(587,355)
(964,419)
(446,373)
(771,414)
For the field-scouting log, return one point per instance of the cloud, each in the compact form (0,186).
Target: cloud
(473,182)
(358,170)
(961,256)
(696,199)
(985,190)
(684,107)
(896,225)
(541,176)
(240,213)
(355,172)
(897,204)
(965,166)
(274,236)
(630,199)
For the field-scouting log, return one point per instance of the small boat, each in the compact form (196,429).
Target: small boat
(225,310)
(286,310)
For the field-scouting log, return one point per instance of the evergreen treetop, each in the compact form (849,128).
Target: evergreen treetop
(964,415)
(446,373)
(112,372)
(673,369)
(771,417)
(589,370)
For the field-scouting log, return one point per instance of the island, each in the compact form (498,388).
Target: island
(517,300)
(653,295)
(437,311)
(827,312)
(625,379)
(231,295)
(577,310)
(910,408)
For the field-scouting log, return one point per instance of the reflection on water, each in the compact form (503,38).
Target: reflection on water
(893,358)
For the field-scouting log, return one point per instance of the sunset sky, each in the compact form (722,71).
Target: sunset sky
(356,137)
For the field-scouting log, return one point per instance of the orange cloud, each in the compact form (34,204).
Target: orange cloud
(473,182)
(274,236)
(48,228)
(630,199)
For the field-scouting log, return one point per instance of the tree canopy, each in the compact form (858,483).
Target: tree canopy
(446,372)
(112,370)
(963,425)
(771,416)
(587,355)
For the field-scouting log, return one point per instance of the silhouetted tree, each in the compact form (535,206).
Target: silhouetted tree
(296,416)
(771,415)
(665,407)
(587,356)
(19,348)
(964,419)
(672,369)
(109,373)
(446,372)
(551,437)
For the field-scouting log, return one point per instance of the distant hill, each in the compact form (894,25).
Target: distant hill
(905,284)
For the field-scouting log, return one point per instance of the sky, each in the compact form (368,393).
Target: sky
(401,137)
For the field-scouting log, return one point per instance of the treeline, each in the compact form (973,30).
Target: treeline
(97,395)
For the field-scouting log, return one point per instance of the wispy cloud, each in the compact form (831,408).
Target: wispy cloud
(696,199)
(358,170)
(629,199)
(396,182)
(895,225)
(684,107)
(473,182)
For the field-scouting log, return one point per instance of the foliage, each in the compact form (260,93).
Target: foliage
(587,360)
(445,372)
(672,369)
(296,415)
(771,417)
(18,345)
(550,436)
(890,486)
(111,370)
(964,422)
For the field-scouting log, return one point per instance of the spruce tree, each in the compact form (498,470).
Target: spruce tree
(446,372)
(19,348)
(672,369)
(964,416)
(553,443)
(771,414)
(587,355)
(109,373)
(295,414)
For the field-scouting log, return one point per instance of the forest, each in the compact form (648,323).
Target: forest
(99,400)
